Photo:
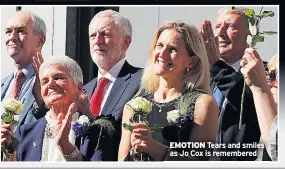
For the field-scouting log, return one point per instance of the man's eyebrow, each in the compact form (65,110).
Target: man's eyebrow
(59,74)
(15,27)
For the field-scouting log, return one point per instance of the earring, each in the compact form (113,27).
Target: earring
(187,70)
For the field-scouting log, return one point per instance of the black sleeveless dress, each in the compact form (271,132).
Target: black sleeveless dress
(180,130)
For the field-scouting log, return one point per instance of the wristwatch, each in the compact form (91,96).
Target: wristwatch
(72,155)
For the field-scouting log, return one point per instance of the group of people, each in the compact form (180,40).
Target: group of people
(194,75)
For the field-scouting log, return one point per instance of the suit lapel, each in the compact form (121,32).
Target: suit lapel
(38,140)
(28,102)
(5,84)
(115,95)
(89,90)
(31,148)
(117,90)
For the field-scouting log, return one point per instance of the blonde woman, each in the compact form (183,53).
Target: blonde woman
(176,81)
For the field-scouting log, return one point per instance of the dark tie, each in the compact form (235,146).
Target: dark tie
(16,86)
(98,95)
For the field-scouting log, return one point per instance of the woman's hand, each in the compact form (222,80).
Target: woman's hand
(63,126)
(6,136)
(141,138)
(253,70)
(211,42)
(83,105)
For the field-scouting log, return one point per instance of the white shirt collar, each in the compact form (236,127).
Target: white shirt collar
(236,65)
(113,72)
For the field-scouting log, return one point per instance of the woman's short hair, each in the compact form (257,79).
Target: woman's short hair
(197,77)
(72,67)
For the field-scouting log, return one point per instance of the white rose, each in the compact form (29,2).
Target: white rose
(252,29)
(83,119)
(249,40)
(172,116)
(12,105)
(140,104)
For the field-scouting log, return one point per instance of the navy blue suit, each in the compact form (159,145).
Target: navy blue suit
(31,137)
(124,88)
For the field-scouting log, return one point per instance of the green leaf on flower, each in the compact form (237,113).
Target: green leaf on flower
(269,32)
(250,13)
(6,118)
(257,38)
(266,14)
(128,127)
(233,8)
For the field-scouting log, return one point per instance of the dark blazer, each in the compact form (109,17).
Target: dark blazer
(30,111)
(31,136)
(230,83)
(124,88)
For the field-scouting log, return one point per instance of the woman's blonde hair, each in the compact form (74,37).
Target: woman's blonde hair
(197,77)
(273,63)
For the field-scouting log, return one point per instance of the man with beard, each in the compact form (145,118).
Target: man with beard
(110,35)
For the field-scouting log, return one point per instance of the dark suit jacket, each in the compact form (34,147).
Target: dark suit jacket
(124,88)
(31,136)
(230,84)
(30,111)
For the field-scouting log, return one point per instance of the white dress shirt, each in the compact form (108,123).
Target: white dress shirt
(112,76)
(236,65)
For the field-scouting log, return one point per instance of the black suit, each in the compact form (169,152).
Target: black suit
(230,83)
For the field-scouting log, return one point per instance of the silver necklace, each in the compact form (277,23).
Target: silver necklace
(162,105)
(50,131)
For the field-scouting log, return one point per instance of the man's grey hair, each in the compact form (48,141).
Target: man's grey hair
(238,10)
(39,26)
(122,21)
(73,69)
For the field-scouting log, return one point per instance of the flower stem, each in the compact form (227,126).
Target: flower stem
(241,105)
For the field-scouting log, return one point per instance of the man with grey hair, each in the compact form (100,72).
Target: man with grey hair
(110,35)
(226,47)
(24,38)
